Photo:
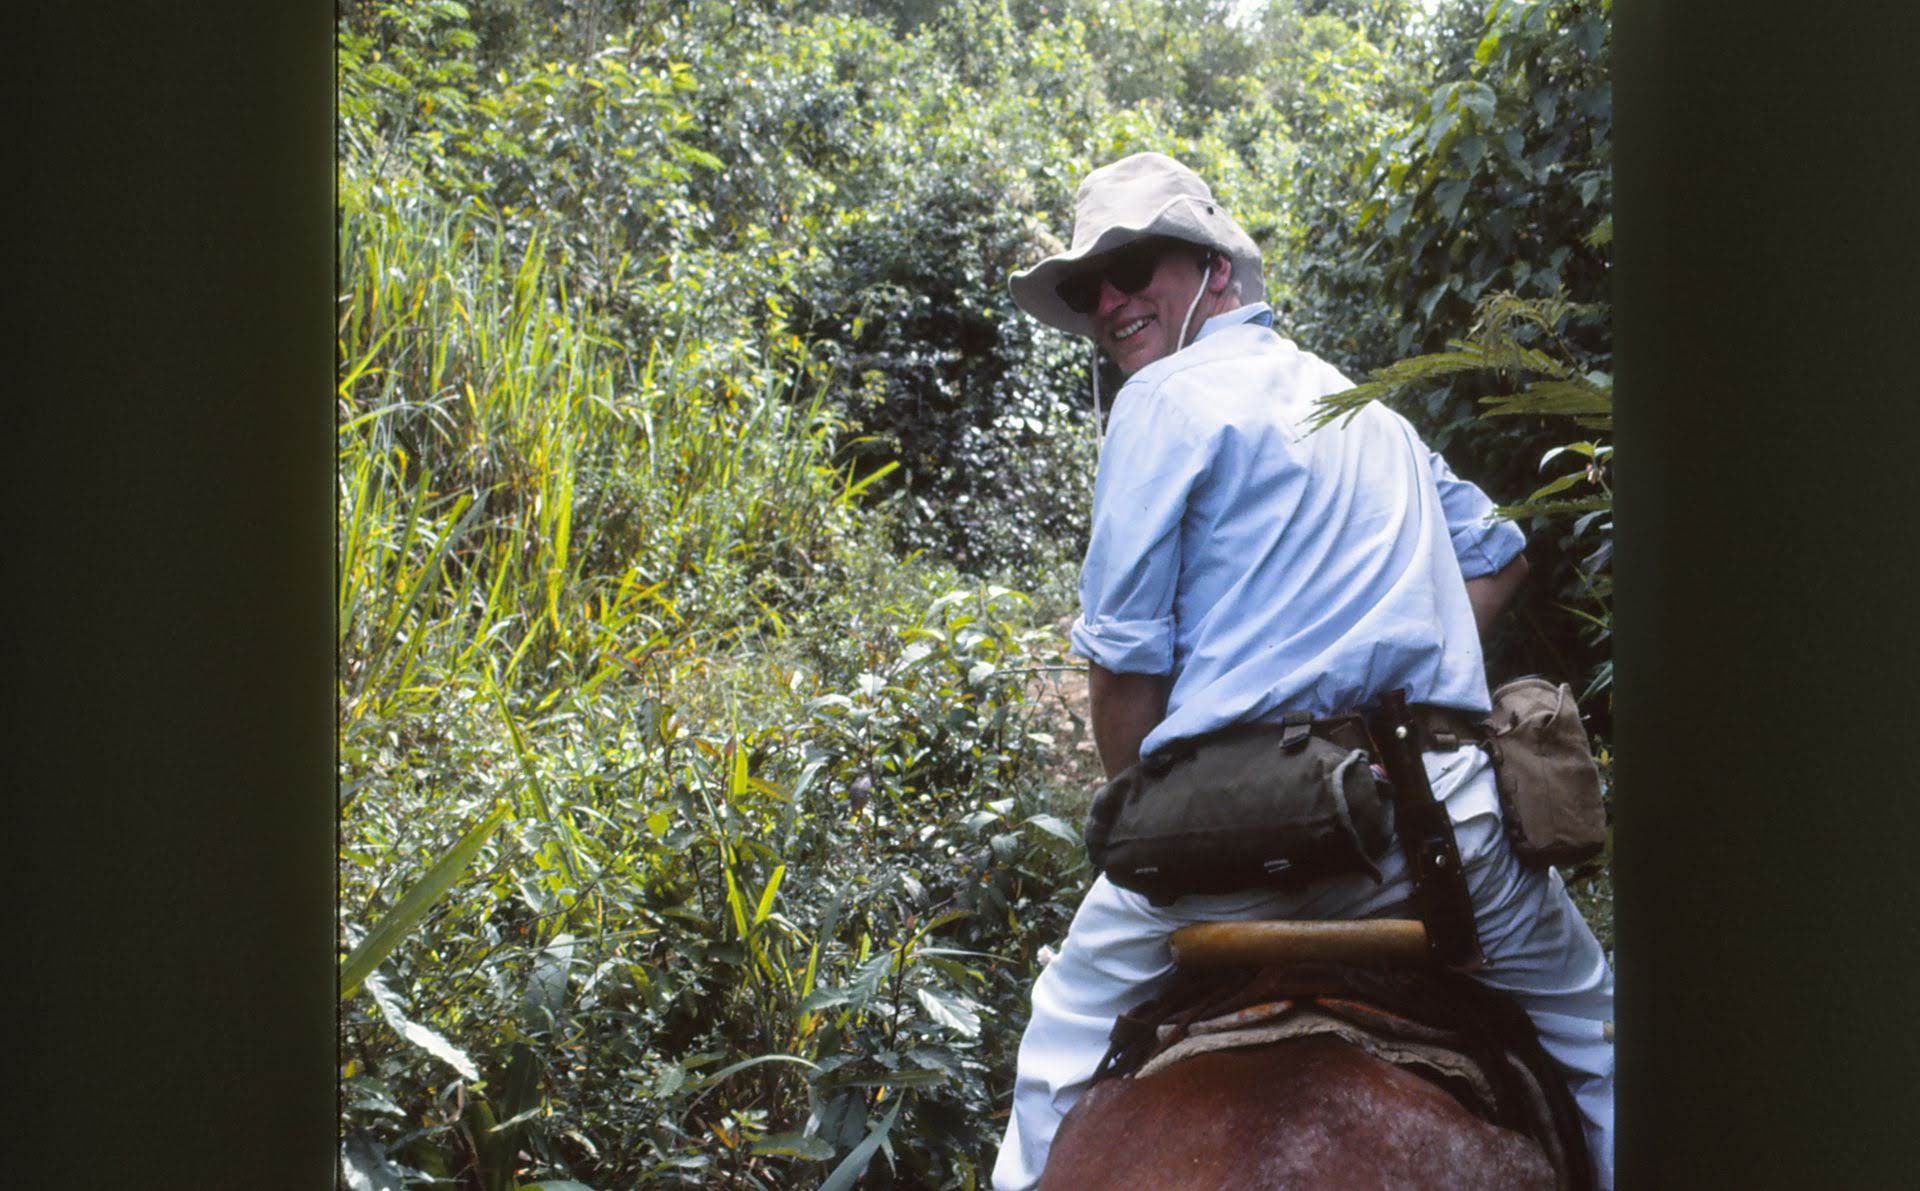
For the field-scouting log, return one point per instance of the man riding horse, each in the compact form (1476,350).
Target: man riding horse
(1242,570)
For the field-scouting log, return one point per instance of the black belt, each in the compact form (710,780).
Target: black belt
(1439,728)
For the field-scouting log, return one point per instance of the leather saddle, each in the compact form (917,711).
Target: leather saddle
(1371,984)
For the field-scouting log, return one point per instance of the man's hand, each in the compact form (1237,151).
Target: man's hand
(1490,594)
(1125,708)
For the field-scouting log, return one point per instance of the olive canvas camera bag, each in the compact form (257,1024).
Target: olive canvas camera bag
(1256,806)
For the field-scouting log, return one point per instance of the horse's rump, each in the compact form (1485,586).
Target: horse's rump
(1323,1075)
(1308,1113)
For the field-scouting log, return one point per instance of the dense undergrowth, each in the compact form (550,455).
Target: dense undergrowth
(742,787)
(706,514)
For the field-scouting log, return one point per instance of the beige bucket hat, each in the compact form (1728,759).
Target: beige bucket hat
(1147,194)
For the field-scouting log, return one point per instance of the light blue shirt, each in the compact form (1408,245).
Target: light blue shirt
(1268,569)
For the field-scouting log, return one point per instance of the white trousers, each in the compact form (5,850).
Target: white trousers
(1539,950)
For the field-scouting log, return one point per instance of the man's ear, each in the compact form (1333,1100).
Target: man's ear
(1219,273)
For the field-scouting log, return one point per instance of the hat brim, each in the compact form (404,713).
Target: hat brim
(1036,290)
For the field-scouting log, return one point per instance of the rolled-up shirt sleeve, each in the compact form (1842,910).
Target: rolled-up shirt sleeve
(1483,542)
(1151,460)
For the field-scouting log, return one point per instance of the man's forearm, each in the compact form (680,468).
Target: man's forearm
(1125,708)
(1490,594)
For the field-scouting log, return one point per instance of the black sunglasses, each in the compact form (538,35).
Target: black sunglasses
(1129,270)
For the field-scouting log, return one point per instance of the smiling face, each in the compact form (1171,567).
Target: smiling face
(1141,327)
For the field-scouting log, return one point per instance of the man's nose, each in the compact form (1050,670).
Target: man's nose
(1111,299)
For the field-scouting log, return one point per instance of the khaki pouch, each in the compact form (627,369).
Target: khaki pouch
(1239,810)
(1549,785)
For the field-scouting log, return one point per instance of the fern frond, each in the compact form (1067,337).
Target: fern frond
(1573,395)
(1553,508)
(1396,377)
(1342,406)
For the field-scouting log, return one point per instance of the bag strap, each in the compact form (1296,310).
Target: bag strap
(1426,837)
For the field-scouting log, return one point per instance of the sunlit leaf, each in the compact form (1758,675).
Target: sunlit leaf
(414,904)
(424,1037)
(956,1013)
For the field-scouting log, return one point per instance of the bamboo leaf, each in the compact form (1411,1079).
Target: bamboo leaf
(737,904)
(414,904)
(854,490)
(766,895)
(534,786)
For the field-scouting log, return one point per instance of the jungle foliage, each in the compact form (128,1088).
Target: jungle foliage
(706,510)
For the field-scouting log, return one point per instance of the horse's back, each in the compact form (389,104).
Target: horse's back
(1312,1112)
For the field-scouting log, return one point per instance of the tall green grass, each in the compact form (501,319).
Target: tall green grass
(687,836)
(490,425)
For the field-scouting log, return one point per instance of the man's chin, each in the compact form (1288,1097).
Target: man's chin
(1131,357)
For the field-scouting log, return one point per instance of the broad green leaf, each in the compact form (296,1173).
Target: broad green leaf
(1057,828)
(807,773)
(671,1080)
(1585,449)
(1545,102)
(432,1041)
(855,1163)
(827,998)
(1478,98)
(1561,484)
(1397,216)
(794,1145)
(364,1167)
(1483,53)
(413,905)
(546,991)
(956,1013)
(975,820)
(699,157)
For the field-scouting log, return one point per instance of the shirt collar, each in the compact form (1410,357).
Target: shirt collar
(1253,312)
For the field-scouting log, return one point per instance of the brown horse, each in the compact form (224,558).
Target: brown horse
(1308,1112)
